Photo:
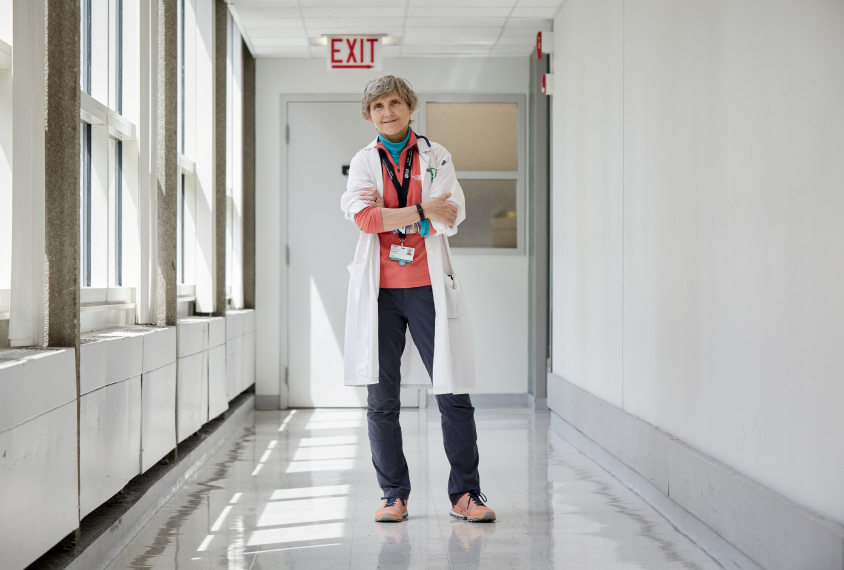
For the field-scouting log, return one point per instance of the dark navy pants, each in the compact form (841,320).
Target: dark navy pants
(399,309)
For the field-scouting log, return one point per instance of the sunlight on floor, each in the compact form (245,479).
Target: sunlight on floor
(297,533)
(311,499)
(303,511)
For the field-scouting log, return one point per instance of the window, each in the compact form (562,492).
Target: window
(186,233)
(86,47)
(486,145)
(87,207)
(115,198)
(234,166)
(5,166)
(108,163)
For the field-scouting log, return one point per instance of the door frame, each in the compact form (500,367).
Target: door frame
(284,297)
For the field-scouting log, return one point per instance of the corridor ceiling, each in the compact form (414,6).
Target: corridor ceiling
(417,28)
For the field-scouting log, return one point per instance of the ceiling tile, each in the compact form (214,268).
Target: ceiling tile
(267,13)
(462,3)
(264,3)
(354,12)
(277,33)
(283,51)
(451,32)
(511,51)
(455,22)
(548,12)
(254,25)
(316,31)
(280,42)
(372,24)
(517,41)
(345,3)
(546,3)
(452,41)
(536,23)
(445,50)
(391,51)
(458,12)
(528,32)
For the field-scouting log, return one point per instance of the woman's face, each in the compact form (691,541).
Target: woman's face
(391,116)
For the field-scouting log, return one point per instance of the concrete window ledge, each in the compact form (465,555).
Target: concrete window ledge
(739,522)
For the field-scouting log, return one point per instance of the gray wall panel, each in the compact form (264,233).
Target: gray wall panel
(772,530)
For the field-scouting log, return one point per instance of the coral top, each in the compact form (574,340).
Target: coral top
(393,275)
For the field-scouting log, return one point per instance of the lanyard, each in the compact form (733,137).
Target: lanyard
(401,189)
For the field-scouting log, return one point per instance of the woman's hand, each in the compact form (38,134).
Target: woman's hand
(371,197)
(438,210)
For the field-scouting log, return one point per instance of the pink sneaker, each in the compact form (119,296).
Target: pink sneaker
(392,509)
(471,507)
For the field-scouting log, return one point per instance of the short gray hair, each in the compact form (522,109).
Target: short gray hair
(385,85)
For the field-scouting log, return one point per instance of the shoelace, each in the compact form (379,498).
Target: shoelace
(391,501)
(478,497)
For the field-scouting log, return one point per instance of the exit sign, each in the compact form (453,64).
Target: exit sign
(354,52)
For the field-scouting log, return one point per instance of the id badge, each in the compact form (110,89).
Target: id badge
(401,254)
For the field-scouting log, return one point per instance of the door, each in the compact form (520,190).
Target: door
(323,138)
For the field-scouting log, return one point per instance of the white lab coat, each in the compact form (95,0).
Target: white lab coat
(454,350)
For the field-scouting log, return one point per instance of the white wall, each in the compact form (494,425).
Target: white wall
(502,335)
(698,169)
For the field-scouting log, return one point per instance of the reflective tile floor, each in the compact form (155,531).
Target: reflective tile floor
(297,490)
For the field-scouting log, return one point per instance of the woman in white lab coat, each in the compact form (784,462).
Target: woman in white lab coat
(407,322)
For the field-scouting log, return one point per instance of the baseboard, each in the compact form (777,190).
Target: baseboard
(739,522)
(490,400)
(267,402)
(108,545)
(537,404)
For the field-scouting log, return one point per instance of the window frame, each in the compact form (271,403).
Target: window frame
(186,238)
(107,298)
(6,113)
(519,175)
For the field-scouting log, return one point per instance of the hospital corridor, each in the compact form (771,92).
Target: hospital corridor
(421,284)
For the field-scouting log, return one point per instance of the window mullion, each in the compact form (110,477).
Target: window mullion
(86,204)
(118,214)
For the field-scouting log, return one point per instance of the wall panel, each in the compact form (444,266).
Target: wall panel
(39,490)
(109,441)
(192,386)
(727,121)
(588,196)
(158,414)
(733,236)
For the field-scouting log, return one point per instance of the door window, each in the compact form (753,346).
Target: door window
(483,139)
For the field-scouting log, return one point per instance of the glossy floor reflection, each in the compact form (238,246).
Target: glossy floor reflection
(297,490)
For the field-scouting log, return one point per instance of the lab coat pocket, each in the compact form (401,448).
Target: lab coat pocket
(453,296)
